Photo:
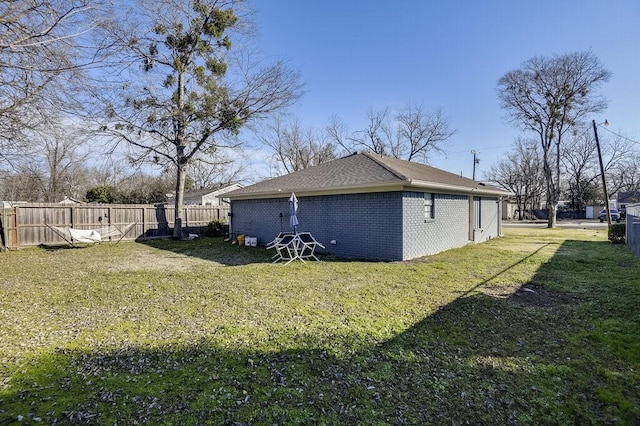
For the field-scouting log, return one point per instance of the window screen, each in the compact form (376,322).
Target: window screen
(429,210)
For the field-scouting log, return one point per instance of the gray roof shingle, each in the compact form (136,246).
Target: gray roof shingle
(365,172)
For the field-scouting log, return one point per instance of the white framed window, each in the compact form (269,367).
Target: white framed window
(429,206)
(477,208)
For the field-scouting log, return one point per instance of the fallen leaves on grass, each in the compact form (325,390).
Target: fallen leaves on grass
(458,337)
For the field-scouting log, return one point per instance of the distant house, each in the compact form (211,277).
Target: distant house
(9,204)
(370,206)
(210,196)
(629,197)
(69,200)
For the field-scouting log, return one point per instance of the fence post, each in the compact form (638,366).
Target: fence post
(186,219)
(14,232)
(144,223)
(12,229)
(3,234)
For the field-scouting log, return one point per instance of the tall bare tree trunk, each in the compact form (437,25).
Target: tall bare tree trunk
(181,161)
(552,209)
(552,195)
(178,208)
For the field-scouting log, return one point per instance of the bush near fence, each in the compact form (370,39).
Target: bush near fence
(27,225)
(617,233)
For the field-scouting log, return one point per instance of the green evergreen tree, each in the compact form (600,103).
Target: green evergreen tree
(180,97)
(103,194)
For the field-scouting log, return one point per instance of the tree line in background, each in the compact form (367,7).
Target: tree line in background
(95,95)
(154,82)
(410,133)
(552,99)
(521,172)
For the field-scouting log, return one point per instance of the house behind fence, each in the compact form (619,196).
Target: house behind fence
(28,225)
(633,228)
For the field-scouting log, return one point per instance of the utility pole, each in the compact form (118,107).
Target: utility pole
(604,181)
(476,160)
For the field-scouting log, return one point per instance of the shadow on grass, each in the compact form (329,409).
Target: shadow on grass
(480,359)
(213,249)
(226,253)
(61,246)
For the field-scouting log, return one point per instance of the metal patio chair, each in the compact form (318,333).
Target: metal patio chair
(286,249)
(307,245)
(272,244)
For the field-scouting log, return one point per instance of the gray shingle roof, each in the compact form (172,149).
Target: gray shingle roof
(628,197)
(363,172)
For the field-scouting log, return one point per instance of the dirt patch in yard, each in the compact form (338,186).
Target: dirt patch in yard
(540,297)
(532,296)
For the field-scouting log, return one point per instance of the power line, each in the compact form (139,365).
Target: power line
(487,149)
(621,136)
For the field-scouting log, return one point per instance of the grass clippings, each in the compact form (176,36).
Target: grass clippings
(539,327)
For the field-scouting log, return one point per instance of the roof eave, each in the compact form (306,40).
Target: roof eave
(367,188)
(459,189)
(303,192)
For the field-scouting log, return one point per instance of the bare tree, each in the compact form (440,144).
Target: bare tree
(421,133)
(21,184)
(216,168)
(618,157)
(521,173)
(550,96)
(378,137)
(183,93)
(63,161)
(109,172)
(625,175)
(337,132)
(295,147)
(54,162)
(39,48)
(411,133)
(142,188)
(580,161)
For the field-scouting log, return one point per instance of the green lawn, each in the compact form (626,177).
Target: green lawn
(539,327)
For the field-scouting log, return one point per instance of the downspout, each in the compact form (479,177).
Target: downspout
(230,216)
(472,218)
(500,206)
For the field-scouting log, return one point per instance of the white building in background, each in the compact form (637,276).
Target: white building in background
(210,196)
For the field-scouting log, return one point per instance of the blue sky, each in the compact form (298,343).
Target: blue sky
(354,55)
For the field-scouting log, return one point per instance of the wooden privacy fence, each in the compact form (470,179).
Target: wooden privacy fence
(25,225)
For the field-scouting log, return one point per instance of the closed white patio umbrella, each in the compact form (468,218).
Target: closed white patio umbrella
(293,210)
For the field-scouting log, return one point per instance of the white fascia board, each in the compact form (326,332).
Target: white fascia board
(302,192)
(447,188)
(381,187)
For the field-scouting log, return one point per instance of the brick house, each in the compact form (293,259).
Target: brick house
(369,206)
